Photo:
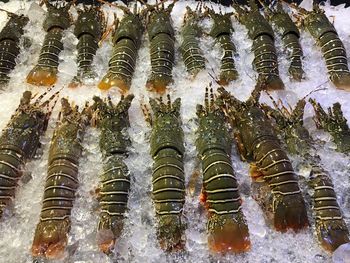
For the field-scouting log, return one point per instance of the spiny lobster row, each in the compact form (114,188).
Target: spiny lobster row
(227,228)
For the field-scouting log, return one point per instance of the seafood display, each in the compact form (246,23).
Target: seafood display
(326,37)
(221,31)
(96,184)
(126,43)
(19,142)
(227,228)
(89,28)
(168,178)
(113,120)
(333,121)
(162,50)
(46,69)
(265,58)
(50,238)
(330,226)
(257,143)
(191,53)
(10,37)
(290,35)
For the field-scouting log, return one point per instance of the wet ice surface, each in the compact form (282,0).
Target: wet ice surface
(138,242)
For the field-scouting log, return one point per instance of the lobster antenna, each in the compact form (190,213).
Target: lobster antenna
(318,88)
(211,97)
(206,101)
(274,102)
(267,9)
(8,12)
(295,7)
(169,101)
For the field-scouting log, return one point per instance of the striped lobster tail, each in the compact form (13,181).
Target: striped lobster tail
(51,233)
(265,61)
(9,50)
(11,162)
(162,61)
(19,141)
(295,53)
(168,179)
(113,121)
(331,229)
(192,55)
(335,57)
(226,227)
(87,47)
(9,45)
(122,64)
(57,19)
(274,165)
(228,70)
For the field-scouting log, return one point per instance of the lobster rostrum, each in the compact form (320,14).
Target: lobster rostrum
(191,53)
(221,30)
(126,43)
(56,20)
(89,29)
(326,37)
(19,141)
(50,236)
(227,228)
(333,122)
(113,121)
(10,37)
(290,35)
(168,179)
(257,142)
(330,227)
(162,51)
(261,33)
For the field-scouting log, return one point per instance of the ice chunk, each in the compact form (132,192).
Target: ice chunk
(342,254)
(36,13)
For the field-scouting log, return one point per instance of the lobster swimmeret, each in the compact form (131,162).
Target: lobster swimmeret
(126,43)
(259,30)
(88,29)
(113,121)
(257,142)
(56,20)
(50,238)
(19,142)
(9,44)
(326,37)
(227,228)
(168,179)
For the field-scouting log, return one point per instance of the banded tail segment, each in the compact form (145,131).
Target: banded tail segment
(330,226)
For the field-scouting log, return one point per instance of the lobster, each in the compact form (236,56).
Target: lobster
(10,36)
(290,35)
(126,43)
(56,20)
(221,31)
(227,228)
(333,122)
(260,31)
(162,51)
(113,120)
(19,142)
(330,227)
(50,236)
(326,37)
(257,142)
(191,53)
(89,28)
(168,179)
